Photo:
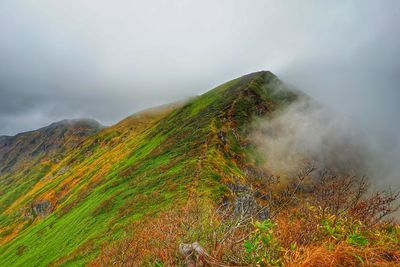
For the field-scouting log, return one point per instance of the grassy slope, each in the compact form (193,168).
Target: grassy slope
(148,163)
(27,157)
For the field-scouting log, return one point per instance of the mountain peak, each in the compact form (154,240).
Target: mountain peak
(79,121)
(147,163)
(30,147)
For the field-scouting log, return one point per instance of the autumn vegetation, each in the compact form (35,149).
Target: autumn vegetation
(183,185)
(327,220)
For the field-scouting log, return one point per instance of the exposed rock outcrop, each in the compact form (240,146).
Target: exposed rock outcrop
(42,208)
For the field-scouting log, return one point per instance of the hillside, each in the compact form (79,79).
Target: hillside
(75,194)
(31,147)
(26,157)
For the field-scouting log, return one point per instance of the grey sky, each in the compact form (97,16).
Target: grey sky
(108,59)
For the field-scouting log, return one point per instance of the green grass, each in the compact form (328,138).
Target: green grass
(118,176)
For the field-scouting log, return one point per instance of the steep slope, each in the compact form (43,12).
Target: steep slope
(148,163)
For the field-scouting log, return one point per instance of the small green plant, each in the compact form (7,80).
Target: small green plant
(358,257)
(341,229)
(357,239)
(338,227)
(262,247)
(332,228)
(157,263)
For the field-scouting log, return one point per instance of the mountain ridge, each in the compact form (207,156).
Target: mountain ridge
(177,142)
(107,191)
(49,140)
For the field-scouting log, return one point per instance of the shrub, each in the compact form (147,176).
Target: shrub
(262,247)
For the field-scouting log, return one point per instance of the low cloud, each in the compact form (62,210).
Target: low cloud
(109,59)
(308,133)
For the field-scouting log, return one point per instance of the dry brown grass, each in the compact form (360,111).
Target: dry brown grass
(342,254)
(313,229)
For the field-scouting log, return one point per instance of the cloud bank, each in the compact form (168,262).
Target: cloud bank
(108,59)
(309,134)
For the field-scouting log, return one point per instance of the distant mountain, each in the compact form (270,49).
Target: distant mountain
(30,147)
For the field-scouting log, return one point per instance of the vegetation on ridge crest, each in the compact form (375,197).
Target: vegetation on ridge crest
(131,193)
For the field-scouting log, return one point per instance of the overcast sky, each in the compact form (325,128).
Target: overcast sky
(108,59)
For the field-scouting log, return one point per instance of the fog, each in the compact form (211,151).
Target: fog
(108,59)
(307,133)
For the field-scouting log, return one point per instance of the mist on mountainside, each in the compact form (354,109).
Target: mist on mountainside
(308,133)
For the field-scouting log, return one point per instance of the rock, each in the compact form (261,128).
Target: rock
(221,136)
(263,214)
(245,203)
(62,170)
(194,254)
(42,208)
